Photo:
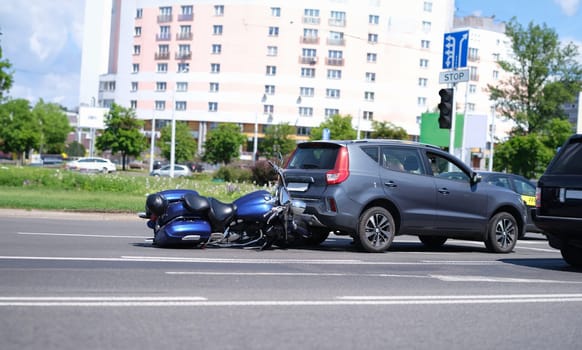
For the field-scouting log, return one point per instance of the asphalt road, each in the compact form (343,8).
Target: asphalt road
(81,281)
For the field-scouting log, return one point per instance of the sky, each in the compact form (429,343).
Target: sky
(43,38)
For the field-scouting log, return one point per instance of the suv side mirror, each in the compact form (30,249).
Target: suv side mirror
(475,178)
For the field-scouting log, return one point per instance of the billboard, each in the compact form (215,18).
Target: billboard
(92,117)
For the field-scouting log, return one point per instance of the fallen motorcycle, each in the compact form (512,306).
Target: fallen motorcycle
(258,219)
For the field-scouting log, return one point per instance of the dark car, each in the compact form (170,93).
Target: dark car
(519,184)
(559,201)
(373,190)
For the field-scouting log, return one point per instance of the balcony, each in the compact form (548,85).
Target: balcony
(308,59)
(184,36)
(337,22)
(183,55)
(311,20)
(164,18)
(162,56)
(185,17)
(336,41)
(163,37)
(310,40)
(334,61)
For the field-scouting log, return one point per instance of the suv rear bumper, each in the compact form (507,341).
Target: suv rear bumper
(560,230)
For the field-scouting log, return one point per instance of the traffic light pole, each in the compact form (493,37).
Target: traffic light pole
(453,120)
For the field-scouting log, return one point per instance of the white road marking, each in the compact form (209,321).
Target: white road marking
(337,301)
(450,278)
(291,274)
(77,235)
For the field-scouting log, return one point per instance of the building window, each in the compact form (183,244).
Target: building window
(270,89)
(160,105)
(219,10)
(214,87)
(137,31)
(216,49)
(183,67)
(212,106)
(373,19)
(422,82)
(369,95)
(135,68)
(187,10)
(303,131)
(272,50)
(372,38)
(182,86)
(217,29)
(215,68)
(164,33)
(276,11)
(162,68)
(332,93)
(337,18)
(311,12)
(428,6)
(308,72)
(421,101)
(471,107)
(306,91)
(180,105)
(495,57)
(370,77)
(139,13)
(495,74)
(271,70)
(306,111)
(136,50)
(423,63)
(134,86)
(426,25)
(185,32)
(473,74)
(472,88)
(367,115)
(334,74)
(268,109)
(371,57)
(331,111)
(164,50)
(425,44)
(273,31)
(133,104)
(161,86)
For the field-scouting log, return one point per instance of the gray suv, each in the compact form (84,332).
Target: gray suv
(373,190)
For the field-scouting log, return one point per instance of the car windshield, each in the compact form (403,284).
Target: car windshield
(314,158)
(569,161)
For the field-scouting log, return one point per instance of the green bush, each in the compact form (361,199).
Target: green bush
(234,174)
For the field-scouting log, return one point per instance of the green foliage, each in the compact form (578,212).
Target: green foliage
(544,75)
(20,131)
(263,173)
(75,149)
(340,128)
(387,130)
(185,146)
(525,155)
(122,133)
(234,174)
(54,127)
(277,139)
(6,77)
(223,143)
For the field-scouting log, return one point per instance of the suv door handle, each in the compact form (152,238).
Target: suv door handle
(444,190)
(390,184)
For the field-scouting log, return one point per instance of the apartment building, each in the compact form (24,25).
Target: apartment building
(267,62)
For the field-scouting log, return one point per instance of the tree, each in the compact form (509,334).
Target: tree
(277,139)
(340,128)
(387,130)
(122,133)
(54,127)
(544,75)
(75,149)
(6,78)
(524,155)
(20,131)
(223,143)
(185,145)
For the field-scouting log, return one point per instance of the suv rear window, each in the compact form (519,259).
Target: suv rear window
(313,158)
(569,160)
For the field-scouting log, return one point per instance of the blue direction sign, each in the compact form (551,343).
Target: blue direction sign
(455,49)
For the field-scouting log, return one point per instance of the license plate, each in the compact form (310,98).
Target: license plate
(297,186)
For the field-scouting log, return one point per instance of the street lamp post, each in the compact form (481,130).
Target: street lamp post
(173,141)
(152,143)
(256,135)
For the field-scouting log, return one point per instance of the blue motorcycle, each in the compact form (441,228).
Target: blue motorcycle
(258,219)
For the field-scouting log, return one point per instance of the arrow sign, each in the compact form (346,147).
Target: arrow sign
(455,50)
(454,76)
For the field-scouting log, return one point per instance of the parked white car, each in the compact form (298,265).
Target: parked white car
(179,171)
(92,164)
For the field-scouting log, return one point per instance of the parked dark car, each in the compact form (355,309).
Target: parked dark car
(559,201)
(373,190)
(519,184)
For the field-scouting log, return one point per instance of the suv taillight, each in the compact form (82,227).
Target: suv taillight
(341,170)
(538,197)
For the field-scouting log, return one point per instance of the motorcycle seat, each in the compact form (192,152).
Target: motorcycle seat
(221,213)
(196,203)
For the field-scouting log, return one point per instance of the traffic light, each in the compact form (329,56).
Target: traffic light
(445,108)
